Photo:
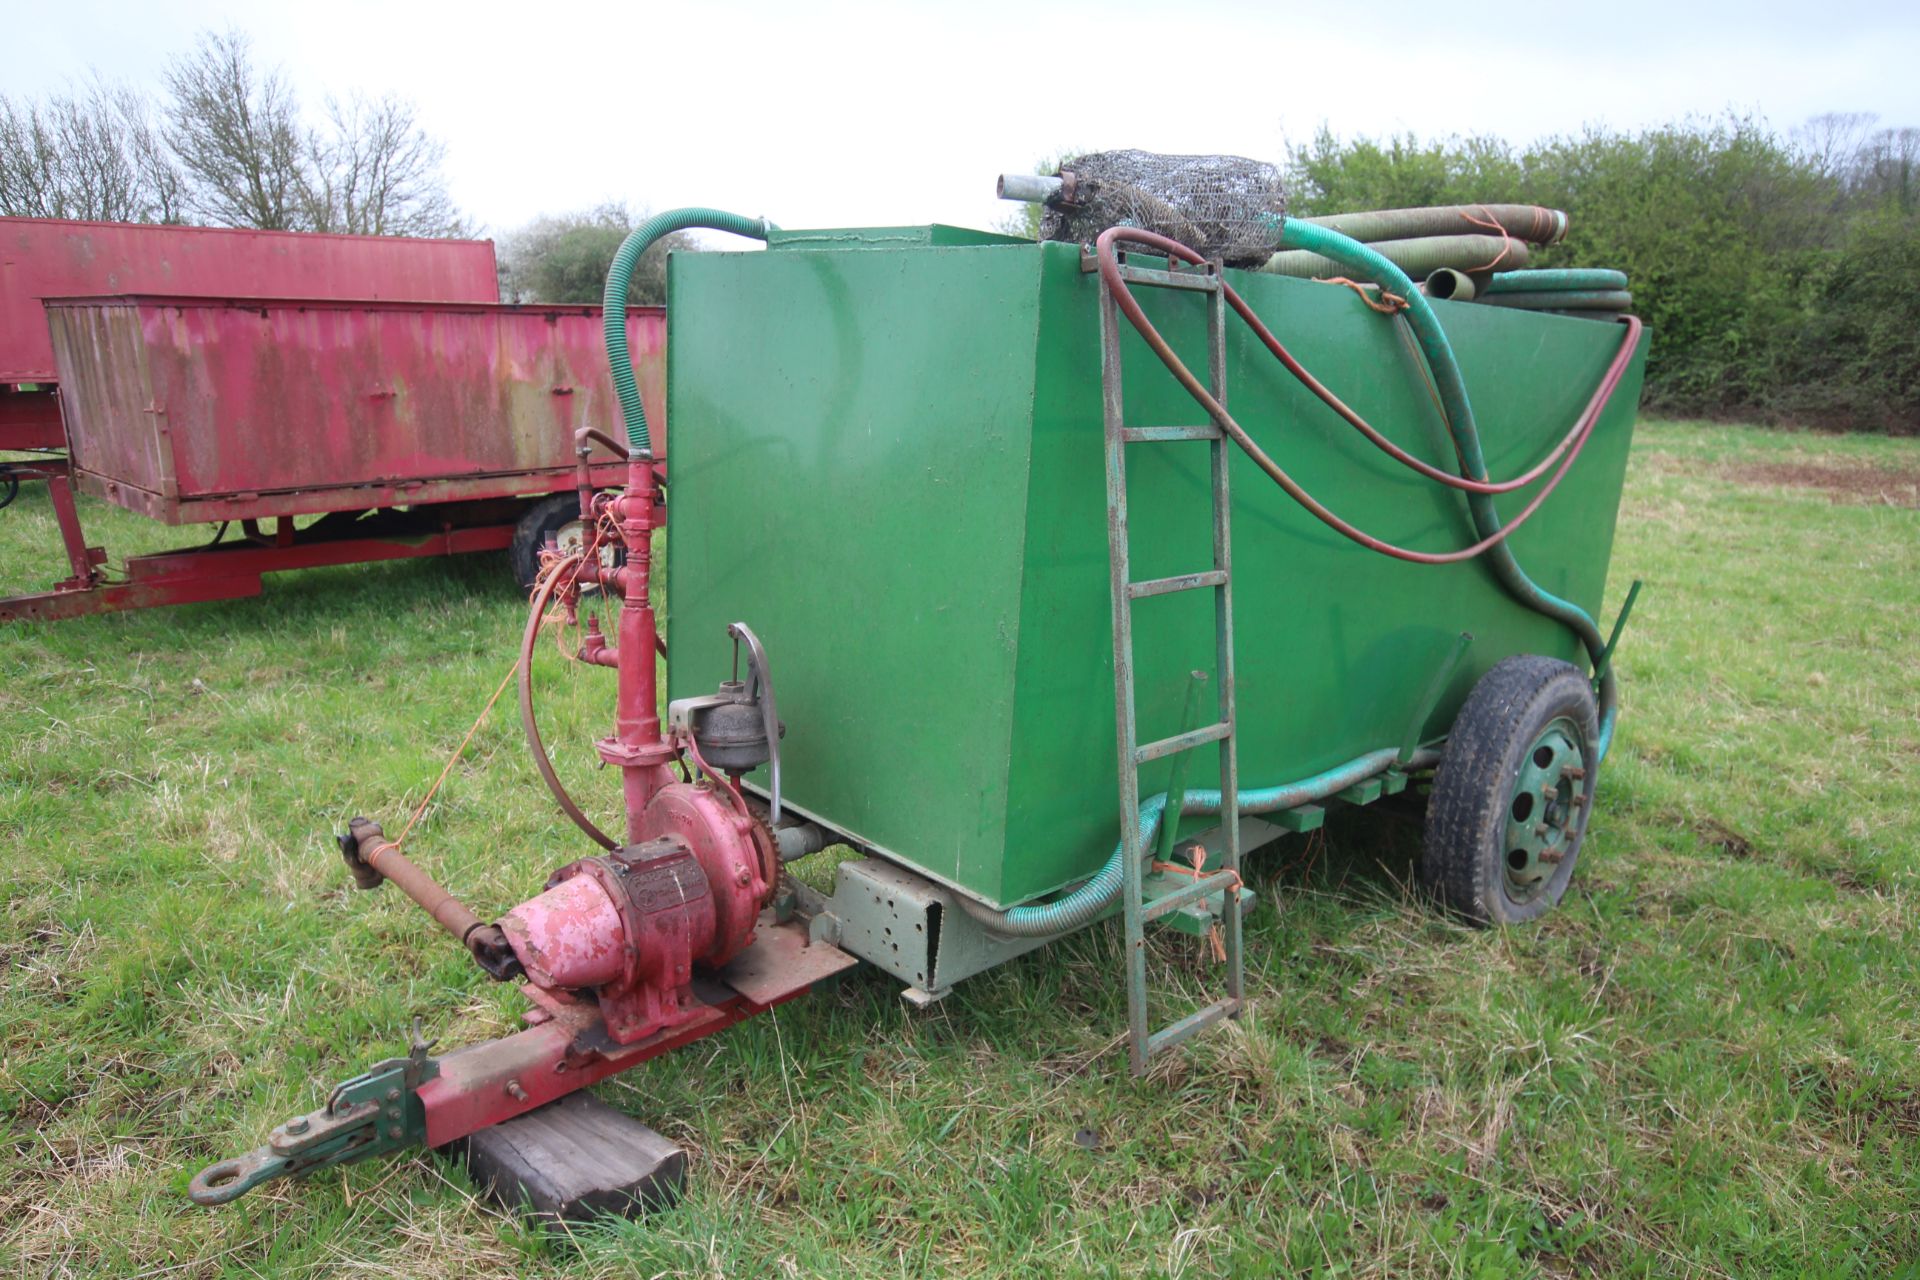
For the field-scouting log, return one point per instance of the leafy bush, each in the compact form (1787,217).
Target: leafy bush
(1781,278)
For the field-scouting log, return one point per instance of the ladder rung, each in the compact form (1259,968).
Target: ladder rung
(1161,435)
(1178,582)
(1193,1022)
(1201,887)
(1207,283)
(1182,742)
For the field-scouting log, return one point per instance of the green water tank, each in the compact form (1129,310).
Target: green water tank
(886,457)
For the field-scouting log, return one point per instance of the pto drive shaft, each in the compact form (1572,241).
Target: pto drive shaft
(374,859)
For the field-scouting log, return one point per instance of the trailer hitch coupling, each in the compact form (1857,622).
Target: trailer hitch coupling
(375,1112)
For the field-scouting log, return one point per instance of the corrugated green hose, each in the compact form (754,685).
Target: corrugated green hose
(1084,904)
(1555,278)
(614,302)
(1563,299)
(1522,221)
(1432,339)
(1418,257)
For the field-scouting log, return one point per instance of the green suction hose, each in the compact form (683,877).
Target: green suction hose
(1617,300)
(614,302)
(1555,279)
(1438,352)
(1100,892)
(1418,257)
(1521,221)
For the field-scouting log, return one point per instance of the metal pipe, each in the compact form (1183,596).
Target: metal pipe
(1032,188)
(801,839)
(373,858)
(583,441)
(637,746)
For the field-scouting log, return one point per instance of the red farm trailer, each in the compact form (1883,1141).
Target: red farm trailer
(401,429)
(43,258)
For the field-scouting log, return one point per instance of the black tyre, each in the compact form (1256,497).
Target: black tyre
(556,517)
(1513,793)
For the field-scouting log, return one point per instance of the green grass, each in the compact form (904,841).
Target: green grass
(1703,1064)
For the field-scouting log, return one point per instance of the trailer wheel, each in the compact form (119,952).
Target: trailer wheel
(556,517)
(1513,792)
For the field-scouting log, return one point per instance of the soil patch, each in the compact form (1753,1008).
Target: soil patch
(1876,486)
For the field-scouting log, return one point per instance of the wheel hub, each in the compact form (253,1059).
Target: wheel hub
(1547,810)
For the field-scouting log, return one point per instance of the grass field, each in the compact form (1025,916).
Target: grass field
(1706,1063)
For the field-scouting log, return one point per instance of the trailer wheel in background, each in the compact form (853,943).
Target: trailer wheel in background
(558,517)
(1513,793)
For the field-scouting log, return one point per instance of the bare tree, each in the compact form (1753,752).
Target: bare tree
(237,135)
(229,148)
(1887,169)
(86,154)
(375,172)
(1832,141)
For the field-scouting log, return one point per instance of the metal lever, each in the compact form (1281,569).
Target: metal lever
(760,689)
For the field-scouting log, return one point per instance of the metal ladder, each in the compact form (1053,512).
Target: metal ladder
(1143,1041)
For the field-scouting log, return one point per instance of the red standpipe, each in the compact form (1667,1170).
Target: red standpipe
(686,887)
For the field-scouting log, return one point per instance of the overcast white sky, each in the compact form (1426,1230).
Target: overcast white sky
(846,114)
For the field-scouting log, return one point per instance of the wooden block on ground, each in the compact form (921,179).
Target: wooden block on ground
(575,1159)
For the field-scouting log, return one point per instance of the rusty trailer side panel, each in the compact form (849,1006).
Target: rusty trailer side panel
(193,409)
(43,258)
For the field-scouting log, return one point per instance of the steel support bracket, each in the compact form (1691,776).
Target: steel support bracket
(375,1112)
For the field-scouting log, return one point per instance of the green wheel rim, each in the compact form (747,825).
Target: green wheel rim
(1546,810)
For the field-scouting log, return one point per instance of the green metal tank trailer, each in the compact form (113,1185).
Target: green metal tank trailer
(1022,547)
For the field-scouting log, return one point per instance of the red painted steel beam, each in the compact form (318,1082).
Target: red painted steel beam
(345,497)
(570,1048)
(483,1084)
(233,572)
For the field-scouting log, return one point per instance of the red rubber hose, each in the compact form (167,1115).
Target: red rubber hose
(1570,445)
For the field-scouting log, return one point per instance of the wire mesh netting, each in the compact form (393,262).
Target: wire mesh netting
(1219,205)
